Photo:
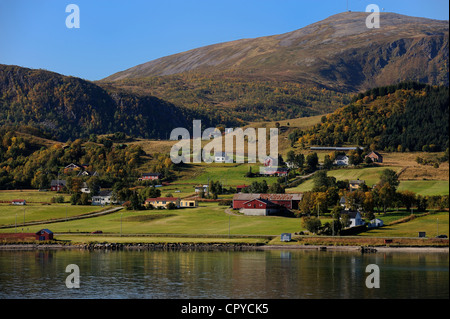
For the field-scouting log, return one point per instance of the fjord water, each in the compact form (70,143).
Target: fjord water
(271,274)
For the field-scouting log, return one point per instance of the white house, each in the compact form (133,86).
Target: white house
(200,188)
(375,223)
(355,218)
(103,198)
(341,160)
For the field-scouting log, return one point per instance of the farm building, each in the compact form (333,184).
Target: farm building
(103,198)
(259,207)
(150,176)
(355,218)
(19,202)
(355,185)
(375,157)
(201,188)
(162,202)
(274,171)
(341,160)
(44,234)
(188,203)
(57,185)
(286,201)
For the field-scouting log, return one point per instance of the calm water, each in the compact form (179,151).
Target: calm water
(271,274)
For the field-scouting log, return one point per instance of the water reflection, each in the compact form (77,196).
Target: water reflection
(274,274)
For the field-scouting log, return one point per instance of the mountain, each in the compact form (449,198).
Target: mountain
(63,107)
(339,53)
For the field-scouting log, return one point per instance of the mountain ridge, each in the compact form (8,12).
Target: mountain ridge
(339,52)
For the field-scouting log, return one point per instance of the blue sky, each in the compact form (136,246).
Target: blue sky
(115,35)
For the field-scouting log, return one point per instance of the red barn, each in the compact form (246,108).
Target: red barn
(288,201)
(44,234)
(260,207)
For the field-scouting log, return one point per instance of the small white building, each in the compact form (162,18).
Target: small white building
(355,218)
(20,202)
(375,223)
(341,160)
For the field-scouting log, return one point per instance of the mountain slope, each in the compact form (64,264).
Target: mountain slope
(339,53)
(68,107)
(407,116)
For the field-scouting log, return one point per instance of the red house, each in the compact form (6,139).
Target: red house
(57,185)
(150,176)
(44,234)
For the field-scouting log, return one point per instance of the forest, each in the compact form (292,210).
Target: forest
(403,117)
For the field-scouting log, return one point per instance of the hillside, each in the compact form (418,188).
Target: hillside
(339,53)
(63,107)
(403,117)
(235,101)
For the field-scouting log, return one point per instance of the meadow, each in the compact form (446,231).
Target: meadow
(10,214)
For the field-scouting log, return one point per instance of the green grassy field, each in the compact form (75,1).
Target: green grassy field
(30,195)
(371,175)
(38,212)
(425,187)
(228,174)
(430,224)
(207,219)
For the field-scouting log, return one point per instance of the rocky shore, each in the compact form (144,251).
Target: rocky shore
(215,247)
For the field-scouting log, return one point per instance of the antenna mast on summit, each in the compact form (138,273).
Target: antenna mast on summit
(347,5)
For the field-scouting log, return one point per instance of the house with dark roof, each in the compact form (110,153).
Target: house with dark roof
(104,197)
(44,234)
(356,184)
(375,157)
(57,185)
(355,218)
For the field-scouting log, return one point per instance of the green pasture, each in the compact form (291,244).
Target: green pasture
(38,212)
(209,218)
(30,195)
(372,174)
(425,187)
(232,174)
(430,224)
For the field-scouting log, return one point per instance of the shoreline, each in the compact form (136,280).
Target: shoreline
(220,247)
